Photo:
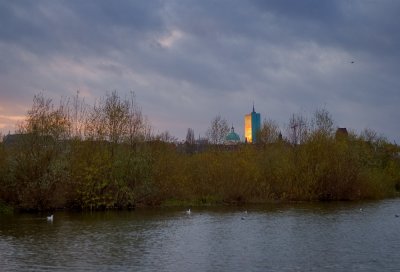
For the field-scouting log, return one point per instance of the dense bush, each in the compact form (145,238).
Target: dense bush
(106,159)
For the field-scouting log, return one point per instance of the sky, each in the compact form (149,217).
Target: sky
(188,60)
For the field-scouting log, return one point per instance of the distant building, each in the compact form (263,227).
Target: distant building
(232,138)
(252,125)
(13,139)
(341,133)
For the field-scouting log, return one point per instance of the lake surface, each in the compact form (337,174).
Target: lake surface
(275,237)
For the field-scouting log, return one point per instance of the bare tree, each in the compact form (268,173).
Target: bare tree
(117,120)
(298,129)
(371,136)
(218,130)
(77,114)
(138,128)
(166,137)
(190,137)
(269,132)
(94,125)
(39,153)
(323,122)
(43,119)
(116,117)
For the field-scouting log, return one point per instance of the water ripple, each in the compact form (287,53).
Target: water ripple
(285,237)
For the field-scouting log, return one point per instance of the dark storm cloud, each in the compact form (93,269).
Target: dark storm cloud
(368,26)
(308,10)
(189,60)
(75,27)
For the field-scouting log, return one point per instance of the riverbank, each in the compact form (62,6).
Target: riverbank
(199,204)
(98,176)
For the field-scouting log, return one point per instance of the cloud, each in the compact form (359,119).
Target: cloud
(190,60)
(8,122)
(172,37)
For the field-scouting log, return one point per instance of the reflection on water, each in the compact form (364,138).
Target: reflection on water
(276,237)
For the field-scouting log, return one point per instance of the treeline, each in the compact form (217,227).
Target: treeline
(104,156)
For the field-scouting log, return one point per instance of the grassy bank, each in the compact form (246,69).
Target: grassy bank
(98,175)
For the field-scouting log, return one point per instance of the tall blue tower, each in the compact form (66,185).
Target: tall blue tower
(252,125)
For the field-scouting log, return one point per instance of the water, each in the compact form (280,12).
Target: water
(276,237)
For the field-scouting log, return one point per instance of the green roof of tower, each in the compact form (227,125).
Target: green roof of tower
(232,136)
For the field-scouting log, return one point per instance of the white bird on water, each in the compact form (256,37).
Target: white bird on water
(50,218)
(188,212)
